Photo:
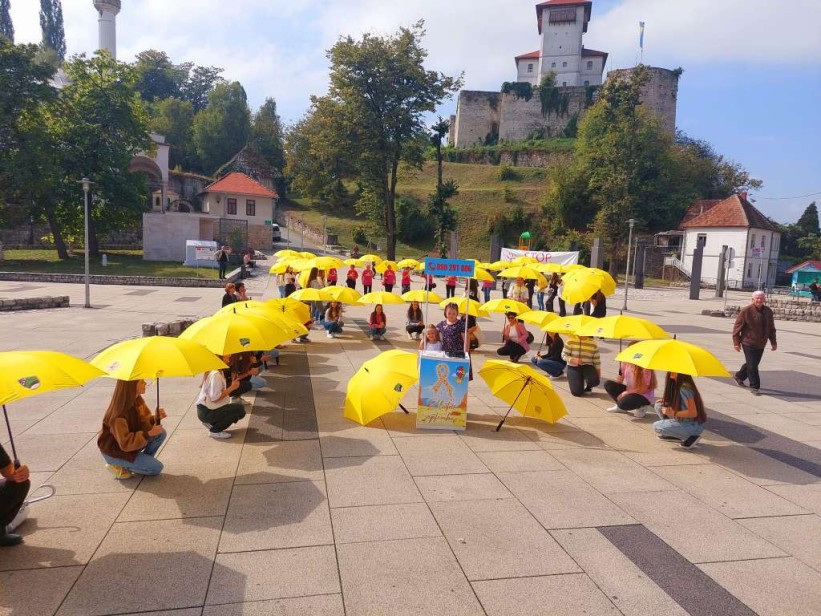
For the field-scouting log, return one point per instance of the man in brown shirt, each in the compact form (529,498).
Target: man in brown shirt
(754,326)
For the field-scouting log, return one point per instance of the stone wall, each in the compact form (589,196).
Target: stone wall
(144,281)
(521,119)
(33,303)
(260,238)
(534,158)
(189,187)
(787,310)
(477,116)
(659,95)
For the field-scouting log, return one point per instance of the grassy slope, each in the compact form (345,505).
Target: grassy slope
(480,193)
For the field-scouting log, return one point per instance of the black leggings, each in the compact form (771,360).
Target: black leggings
(12,495)
(512,349)
(219,419)
(630,402)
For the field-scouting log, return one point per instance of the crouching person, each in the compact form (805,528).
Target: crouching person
(130,437)
(214,407)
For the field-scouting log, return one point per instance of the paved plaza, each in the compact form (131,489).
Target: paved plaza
(305,512)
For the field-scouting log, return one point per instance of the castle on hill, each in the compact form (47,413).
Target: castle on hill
(483,118)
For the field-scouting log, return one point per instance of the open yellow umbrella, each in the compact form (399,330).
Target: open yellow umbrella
(382,267)
(520,271)
(380,297)
(524,260)
(354,262)
(499,265)
(421,296)
(286,252)
(568,325)
(526,390)
(483,275)
(673,356)
(30,373)
(306,255)
(580,285)
(485,265)
(279,267)
(465,305)
(229,333)
(608,282)
(291,307)
(379,385)
(324,263)
(311,295)
(623,327)
(505,305)
(411,263)
(265,310)
(371,258)
(540,318)
(345,295)
(551,268)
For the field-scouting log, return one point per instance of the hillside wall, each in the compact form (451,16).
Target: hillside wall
(477,116)
(521,119)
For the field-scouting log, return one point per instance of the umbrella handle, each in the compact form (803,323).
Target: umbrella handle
(401,406)
(499,427)
(11,438)
(157,411)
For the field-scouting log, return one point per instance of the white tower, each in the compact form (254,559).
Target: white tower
(108,10)
(562,23)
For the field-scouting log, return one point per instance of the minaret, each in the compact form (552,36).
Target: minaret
(108,10)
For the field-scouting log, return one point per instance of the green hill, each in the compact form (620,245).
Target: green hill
(481,193)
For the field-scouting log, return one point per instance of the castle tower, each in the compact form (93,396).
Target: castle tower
(108,10)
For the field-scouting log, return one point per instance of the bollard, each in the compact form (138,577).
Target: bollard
(105,260)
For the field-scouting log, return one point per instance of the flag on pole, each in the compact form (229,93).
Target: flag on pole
(641,35)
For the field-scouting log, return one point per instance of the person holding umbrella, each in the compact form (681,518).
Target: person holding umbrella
(367,279)
(581,353)
(131,436)
(551,361)
(406,280)
(681,411)
(214,407)
(388,279)
(13,494)
(633,389)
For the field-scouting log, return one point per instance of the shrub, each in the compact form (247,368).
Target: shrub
(508,174)
(359,235)
(412,224)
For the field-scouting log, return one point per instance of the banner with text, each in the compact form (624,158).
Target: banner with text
(450,267)
(562,258)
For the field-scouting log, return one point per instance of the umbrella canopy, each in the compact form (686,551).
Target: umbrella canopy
(673,356)
(505,305)
(465,305)
(30,373)
(371,258)
(296,309)
(380,297)
(265,310)
(482,274)
(229,333)
(568,325)
(520,271)
(279,267)
(580,285)
(379,385)
(526,390)
(154,357)
(499,265)
(354,262)
(486,265)
(345,295)
(608,282)
(307,255)
(382,267)
(311,295)
(524,260)
(540,318)
(623,327)
(551,268)
(422,296)
(411,263)
(286,252)
(323,263)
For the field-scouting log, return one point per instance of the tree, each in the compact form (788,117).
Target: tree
(712,176)
(174,118)
(6,25)
(439,209)
(383,90)
(51,23)
(199,84)
(222,129)
(157,77)
(808,222)
(266,136)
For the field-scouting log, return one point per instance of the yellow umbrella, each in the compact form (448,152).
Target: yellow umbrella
(568,325)
(673,356)
(623,327)
(608,282)
(279,267)
(422,296)
(526,390)
(485,265)
(265,310)
(307,255)
(411,263)
(382,267)
(229,333)
(551,268)
(311,295)
(579,286)
(29,373)
(286,252)
(379,385)
(505,305)
(524,260)
(345,295)
(499,265)
(324,263)
(464,304)
(540,318)
(371,258)
(291,307)
(483,275)
(354,262)
(521,271)
(380,297)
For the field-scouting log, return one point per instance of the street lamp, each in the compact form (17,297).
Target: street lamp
(86,186)
(630,222)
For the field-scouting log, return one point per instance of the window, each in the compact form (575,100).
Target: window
(752,241)
(552,65)
(587,83)
(701,239)
(749,270)
(564,64)
(564,84)
(530,68)
(250,207)
(763,240)
(231,206)
(559,16)
(590,65)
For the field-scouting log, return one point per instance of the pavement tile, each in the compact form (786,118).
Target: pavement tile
(174,560)
(807,496)
(515,461)
(280,462)
(356,441)
(280,515)
(437,455)
(461,487)
(401,424)
(610,471)
(569,439)
(633,593)
(499,539)
(756,467)
(483,437)
(644,448)
(265,428)
(696,531)
(726,492)
(791,587)
(383,523)
(196,447)
(557,595)
(408,577)
(273,574)
(320,605)
(379,480)
(49,452)
(35,592)
(192,611)
(561,499)
(797,535)
(779,424)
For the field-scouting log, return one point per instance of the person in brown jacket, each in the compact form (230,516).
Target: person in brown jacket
(130,437)
(754,326)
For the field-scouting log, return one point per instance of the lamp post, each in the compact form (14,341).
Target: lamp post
(86,187)
(630,222)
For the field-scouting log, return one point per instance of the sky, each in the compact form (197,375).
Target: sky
(751,84)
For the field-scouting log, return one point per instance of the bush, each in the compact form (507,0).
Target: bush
(359,235)
(412,224)
(509,195)
(508,173)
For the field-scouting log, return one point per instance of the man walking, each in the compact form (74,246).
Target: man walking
(754,326)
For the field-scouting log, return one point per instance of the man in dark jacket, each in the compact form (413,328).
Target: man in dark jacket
(754,326)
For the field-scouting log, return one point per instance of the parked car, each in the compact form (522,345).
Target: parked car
(276,233)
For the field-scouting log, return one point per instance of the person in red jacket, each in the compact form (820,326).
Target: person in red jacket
(450,286)
(332,277)
(367,279)
(406,280)
(351,277)
(389,279)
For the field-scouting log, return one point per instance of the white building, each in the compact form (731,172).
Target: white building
(752,239)
(562,24)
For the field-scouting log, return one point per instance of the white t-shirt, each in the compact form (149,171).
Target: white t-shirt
(513,334)
(212,388)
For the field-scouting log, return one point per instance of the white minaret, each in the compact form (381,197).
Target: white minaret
(108,10)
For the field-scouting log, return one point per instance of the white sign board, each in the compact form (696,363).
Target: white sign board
(562,258)
(205,253)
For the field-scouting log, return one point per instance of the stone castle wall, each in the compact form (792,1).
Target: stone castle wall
(659,95)
(477,116)
(521,119)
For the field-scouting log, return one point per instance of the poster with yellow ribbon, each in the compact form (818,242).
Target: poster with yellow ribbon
(443,392)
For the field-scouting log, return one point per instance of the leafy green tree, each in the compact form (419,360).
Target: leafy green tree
(808,222)
(157,77)
(222,129)
(811,246)
(6,25)
(174,118)
(267,138)
(51,23)
(443,215)
(383,90)
(712,176)
(200,82)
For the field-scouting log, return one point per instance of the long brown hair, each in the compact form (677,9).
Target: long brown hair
(638,376)
(123,403)
(672,391)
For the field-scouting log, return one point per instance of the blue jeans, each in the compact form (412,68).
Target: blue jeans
(540,299)
(281,291)
(378,331)
(145,463)
(486,293)
(680,429)
(257,382)
(332,326)
(551,366)
(316,311)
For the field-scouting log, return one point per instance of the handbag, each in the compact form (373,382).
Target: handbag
(530,338)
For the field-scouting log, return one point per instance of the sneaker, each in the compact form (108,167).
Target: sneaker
(755,392)
(588,389)
(119,472)
(8,540)
(613,409)
(410,336)
(382,337)
(557,377)
(738,381)
(220,435)
(640,413)
(690,441)
(330,335)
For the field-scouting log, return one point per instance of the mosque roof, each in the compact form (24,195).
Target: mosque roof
(240,184)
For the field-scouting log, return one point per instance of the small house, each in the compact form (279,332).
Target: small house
(803,274)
